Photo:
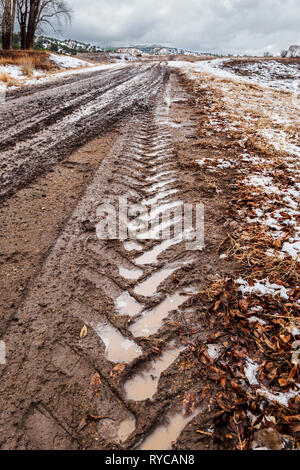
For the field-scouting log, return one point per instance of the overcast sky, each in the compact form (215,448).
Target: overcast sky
(222,26)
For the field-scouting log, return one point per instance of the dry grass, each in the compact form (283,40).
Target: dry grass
(27,66)
(240,113)
(5,78)
(192,58)
(253,107)
(28,60)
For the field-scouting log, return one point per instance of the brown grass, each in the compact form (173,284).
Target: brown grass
(5,78)
(192,58)
(28,60)
(27,66)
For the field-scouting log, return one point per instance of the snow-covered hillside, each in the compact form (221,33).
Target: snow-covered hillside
(267,73)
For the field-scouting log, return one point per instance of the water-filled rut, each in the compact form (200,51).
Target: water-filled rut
(107,306)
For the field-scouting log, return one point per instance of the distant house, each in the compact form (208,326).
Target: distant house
(294,51)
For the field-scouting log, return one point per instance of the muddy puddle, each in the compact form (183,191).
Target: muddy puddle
(142,231)
(144,384)
(149,287)
(127,305)
(131,274)
(152,320)
(163,436)
(126,428)
(117,348)
(132,246)
(150,257)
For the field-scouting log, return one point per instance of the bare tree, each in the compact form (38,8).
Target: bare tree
(33,15)
(8,11)
(23,7)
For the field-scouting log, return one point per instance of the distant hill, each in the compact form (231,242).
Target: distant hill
(73,47)
(160,50)
(165,50)
(67,46)
(70,46)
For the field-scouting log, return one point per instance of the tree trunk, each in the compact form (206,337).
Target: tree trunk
(33,14)
(23,35)
(22,17)
(6,25)
(12,23)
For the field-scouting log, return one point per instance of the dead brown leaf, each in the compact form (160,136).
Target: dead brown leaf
(117,370)
(86,419)
(188,405)
(95,384)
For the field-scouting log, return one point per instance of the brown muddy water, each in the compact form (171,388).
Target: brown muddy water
(163,436)
(151,321)
(144,384)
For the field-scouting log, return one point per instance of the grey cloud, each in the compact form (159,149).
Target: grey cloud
(236,26)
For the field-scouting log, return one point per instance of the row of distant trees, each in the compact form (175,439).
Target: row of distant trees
(31,16)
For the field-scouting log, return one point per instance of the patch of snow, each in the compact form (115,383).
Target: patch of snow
(292,249)
(67,62)
(255,319)
(214,350)
(250,371)
(262,288)
(280,397)
(265,182)
(14,71)
(261,73)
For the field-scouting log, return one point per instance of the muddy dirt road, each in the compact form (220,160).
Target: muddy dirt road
(41,126)
(96,347)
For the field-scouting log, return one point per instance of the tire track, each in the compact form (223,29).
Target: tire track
(67,122)
(115,289)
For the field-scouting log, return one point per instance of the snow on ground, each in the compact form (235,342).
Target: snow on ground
(264,122)
(275,115)
(15,72)
(251,371)
(68,62)
(269,118)
(66,73)
(62,62)
(280,397)
(262,73)
(262,288)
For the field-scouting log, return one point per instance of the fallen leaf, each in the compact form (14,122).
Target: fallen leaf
(117,370)
(86,419)
(95,384)
(206,433)
(83,423)
(188,405)
(282,382)
(244,304)
(223,382)
(292,419)
(83,332)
